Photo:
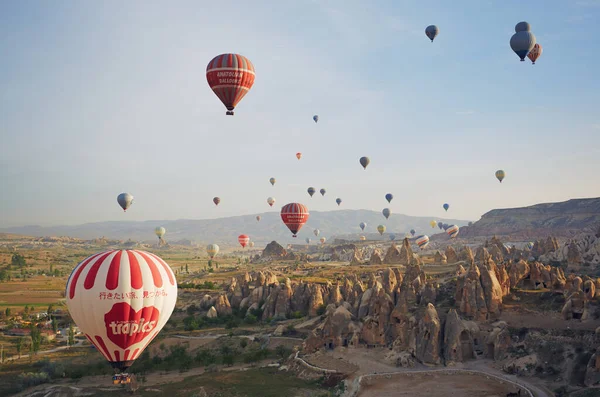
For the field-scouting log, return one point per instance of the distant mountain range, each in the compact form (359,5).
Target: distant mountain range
(564,219)
(341,223)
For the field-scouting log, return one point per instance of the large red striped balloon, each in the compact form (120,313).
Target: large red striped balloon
(294,215)
(230,76)
(243,239)
(121,299)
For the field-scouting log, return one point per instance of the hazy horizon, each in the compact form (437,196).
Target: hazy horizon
(103,98)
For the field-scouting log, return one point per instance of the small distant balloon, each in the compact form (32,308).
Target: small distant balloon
(362,225)
(216,200)
(389,197)
(440,225)
(386,212)
(160,231)
(535,53)
(316,232)
(432,31)
(433,224)
(445,226)
(270,201)
(446,206)
(307,240)
(125,200)
(316,118)
(412,232)
(323,191)
(243,239)
(362,238)
(392,236)
(272,180)
(338,201)
(364,161)
(212,250)
(322,240)
(258,218)
(381,229)
(251,244)
(298,155)
(500,174)
(529,245)
(311,191)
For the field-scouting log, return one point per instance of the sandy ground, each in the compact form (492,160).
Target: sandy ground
(435,385)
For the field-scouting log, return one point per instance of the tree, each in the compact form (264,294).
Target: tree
(26,310)
(50,309)
(51,268)
(19,346)
(71,340)
(36,338)
(7,312)
(18,260)
(282,351)
(187,270)
(54,325)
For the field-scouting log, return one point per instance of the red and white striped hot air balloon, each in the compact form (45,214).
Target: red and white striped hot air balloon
(120,300)
(230,76)
(422,241)
(294,215)
(452,231)
(243,239)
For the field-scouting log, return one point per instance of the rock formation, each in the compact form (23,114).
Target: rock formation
(458,345)
(428,336)
(451,256)
(439,258)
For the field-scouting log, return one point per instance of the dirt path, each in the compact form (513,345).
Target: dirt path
(56,349)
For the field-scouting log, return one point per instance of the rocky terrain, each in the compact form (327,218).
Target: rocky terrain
(564,219)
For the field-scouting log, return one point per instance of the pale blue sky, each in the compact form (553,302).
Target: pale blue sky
(98,98)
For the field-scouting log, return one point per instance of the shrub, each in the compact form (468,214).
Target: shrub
(321,310)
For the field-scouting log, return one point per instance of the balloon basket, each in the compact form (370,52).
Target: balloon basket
(229,113)
(121,379)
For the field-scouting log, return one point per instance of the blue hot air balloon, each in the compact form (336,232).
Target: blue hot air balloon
(446,206)
(316,118)
(362,225)
(386,212)
(389,197)
(440,225)
(338,201)
(392,236)
(412,232)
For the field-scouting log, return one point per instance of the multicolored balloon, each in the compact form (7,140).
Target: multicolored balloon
(422,241)
(272,180)
(120,300)
(270,201)
(160,232)
(311,191)
(432,31)
(125,200)
(216,200)
(294,216)
(535,53)
(322,240)
(316,232)
(452,231)
(364,161)
(500,174)
(323,191)
(212,250)
(381,229)
(338,201)
(386,212)
(389,197)
(230,76)
(362,225)
(243,239)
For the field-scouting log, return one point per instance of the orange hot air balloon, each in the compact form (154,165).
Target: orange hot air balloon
(230,76)
(298,155)
(243,239)
(535,53)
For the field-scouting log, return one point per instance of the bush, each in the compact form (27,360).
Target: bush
(243,343)
(282,351)
(296,314)
(321,310)
(250,319)
(32,379)
(205,357)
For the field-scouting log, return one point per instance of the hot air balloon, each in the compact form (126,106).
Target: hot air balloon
(120,300)
(316,232)
(125,200)
(322,240)
(251,244)
(160,232)
(216,200)
(500,175)
(432,31)
(445,226)
(422,241)
(271,201)
(535,53)
(521,43)
(257,218)
(298,155)
(338,201)
(392,236)
(522,27)
(389,197)
(294,216)
(412,232)
(316,118)
(433,223)
(307,240)
(311,191)
(272,180)
(529,246)
(446,206)
(362,225)
(230,76)
(243,239)
(362,238)
(452,231)
(364,161)
(440,225)
(323,191)
(212,250)
(381,229)
(386,212)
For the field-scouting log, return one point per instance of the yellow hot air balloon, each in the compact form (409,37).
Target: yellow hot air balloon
(381,229)
(433,224)
(212,250)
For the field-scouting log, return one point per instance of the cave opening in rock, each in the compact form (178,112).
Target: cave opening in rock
(345,344)
(490,351)
(577,316)
(466,346)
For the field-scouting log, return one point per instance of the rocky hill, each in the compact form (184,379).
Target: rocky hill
(224,231)
(565,219)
